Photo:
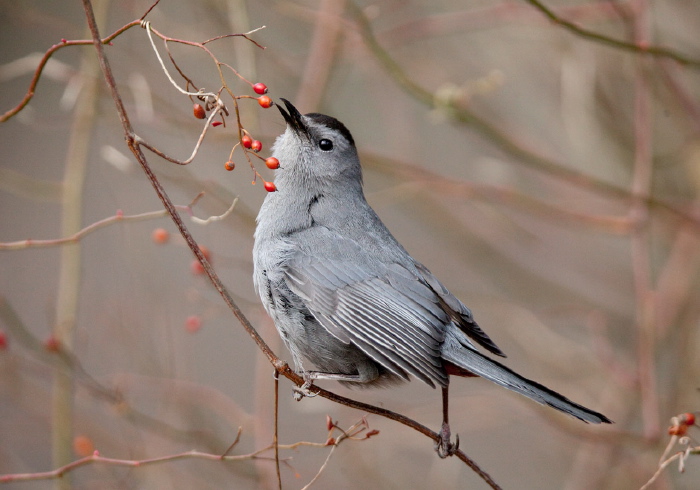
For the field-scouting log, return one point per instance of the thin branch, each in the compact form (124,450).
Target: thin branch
(147,25)
(656,51)
(193,454)
(96,458)
(37,73)
(320,470)
(275,436)
(117,218)
(681,456)
(207,125)
(211,219)
(245,36)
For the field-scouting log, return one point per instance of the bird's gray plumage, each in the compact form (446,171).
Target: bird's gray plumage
(344,294)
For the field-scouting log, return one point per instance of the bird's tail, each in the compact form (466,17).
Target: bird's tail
(474,362)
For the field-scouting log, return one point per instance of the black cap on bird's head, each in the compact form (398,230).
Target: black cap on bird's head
(296,122)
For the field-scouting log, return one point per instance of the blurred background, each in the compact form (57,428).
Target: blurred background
(549,180)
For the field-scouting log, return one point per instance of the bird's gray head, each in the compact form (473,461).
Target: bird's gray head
(315,148)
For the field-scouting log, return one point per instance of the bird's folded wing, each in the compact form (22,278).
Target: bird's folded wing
(385,310)
(461,315)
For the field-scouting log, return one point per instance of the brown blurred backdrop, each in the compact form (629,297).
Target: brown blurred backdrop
(501,149)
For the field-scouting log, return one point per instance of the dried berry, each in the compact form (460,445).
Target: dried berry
(229,165)
(199,111)
(216,123)
(677,430)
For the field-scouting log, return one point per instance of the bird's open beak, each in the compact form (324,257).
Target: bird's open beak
(294,119)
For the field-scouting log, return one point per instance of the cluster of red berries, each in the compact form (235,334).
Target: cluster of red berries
(246,141)
(259,88)
(684,421)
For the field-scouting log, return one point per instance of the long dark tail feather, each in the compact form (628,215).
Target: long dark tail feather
(481,365)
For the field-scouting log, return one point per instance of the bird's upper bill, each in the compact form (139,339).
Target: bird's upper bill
(294,119)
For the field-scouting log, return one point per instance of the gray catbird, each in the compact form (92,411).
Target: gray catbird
(346,296)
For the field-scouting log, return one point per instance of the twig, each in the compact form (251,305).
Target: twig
(96,458)
(320,470)
(275,436)
(640,48)
(681,456)
(194,454)
(211,219)
(233,444)
(245,36)
(37,73)
(117,218)
(147,25)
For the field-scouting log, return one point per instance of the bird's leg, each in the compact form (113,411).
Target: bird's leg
(309,377)
(444,447)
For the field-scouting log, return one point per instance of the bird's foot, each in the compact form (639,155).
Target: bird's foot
(444,447)
(304,390)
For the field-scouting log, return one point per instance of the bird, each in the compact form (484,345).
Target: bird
(344,294)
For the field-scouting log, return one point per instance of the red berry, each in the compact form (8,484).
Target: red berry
(3,340)
(206,252)
(270,187)
(272,163)
(260,88)
(216,123)
(256,146)
(265,101)
(688,418)
(199,111)
(160,236)
(52,344)
(246,141)
(229,165)
(193,323)
(196,268)
(83,446)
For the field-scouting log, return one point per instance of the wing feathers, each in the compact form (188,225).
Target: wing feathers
(386,311)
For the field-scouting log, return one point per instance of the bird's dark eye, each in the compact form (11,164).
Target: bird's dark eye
(325,145)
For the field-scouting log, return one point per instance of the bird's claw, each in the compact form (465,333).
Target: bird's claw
(444,447)
(303,390)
